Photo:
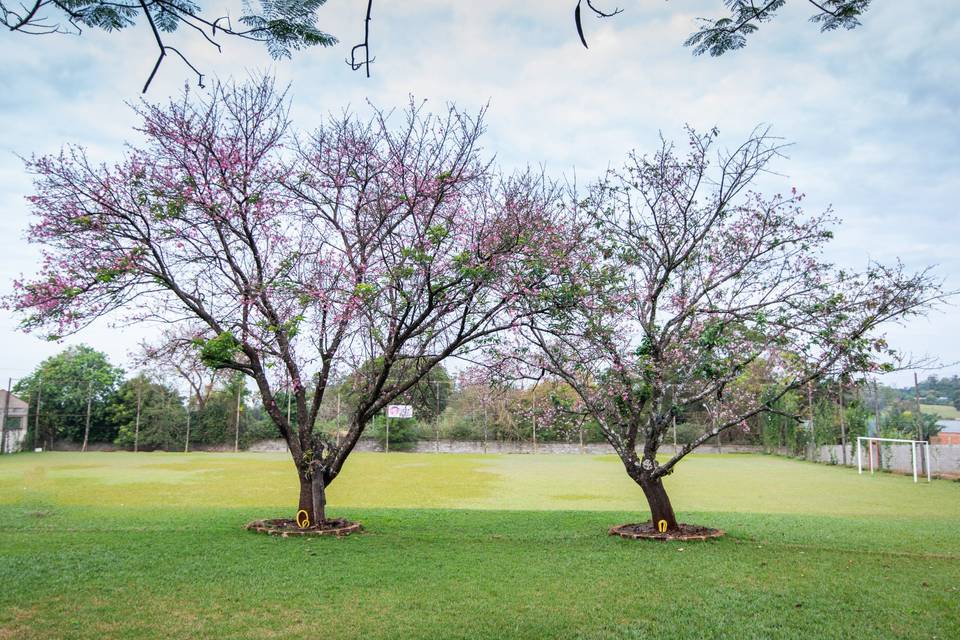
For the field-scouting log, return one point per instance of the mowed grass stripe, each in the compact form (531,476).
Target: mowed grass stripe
(146,546)
(731,482)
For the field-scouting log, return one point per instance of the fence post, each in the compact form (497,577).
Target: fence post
(6,408)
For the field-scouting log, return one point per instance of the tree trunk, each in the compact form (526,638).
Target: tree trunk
(659,501)
(313,499)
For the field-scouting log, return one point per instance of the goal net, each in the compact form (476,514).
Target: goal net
(871,443)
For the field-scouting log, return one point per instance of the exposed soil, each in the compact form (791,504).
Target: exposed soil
(648,531)
(286,527)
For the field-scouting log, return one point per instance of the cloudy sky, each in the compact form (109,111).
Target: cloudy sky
(872,113)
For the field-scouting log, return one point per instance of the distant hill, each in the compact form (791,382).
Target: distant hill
(942,392)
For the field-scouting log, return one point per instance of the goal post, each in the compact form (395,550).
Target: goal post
(872,442)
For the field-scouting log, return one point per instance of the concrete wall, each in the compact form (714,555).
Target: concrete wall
(945,458)
(456,446)
(14,438)
(896,457)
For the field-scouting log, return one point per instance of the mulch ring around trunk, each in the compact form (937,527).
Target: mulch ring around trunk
(649,531)
(286,527)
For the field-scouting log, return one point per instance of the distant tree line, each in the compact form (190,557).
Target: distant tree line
(145,410)
(936,390)
(79,394)
(462,410)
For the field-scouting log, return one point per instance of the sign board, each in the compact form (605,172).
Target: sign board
(399,411)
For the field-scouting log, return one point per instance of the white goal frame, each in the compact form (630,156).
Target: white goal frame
(913,452)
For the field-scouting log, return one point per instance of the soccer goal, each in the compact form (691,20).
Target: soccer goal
(913,452)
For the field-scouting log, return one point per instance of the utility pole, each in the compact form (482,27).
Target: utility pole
(338,419)
(136,424)
(484,427)
(876,431)
(534,419)
(36,416)
(166,404)
(719,441)
(916,396)
(236,430)
(812,444)
(781,441)
(436,419)
(843,428)
(534,415)
(6,408)
(86,428)
(288,403)
(674,435)
(186,441)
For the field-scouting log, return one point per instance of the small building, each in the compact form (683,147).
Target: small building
(16,426)
(949,432)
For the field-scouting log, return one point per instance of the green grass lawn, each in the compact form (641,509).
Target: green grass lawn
(467,546)
(942,410)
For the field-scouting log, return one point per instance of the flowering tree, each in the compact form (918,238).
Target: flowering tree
(178,352)
(360,247)
(686,279)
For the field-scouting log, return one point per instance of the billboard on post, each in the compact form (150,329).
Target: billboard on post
(399,411)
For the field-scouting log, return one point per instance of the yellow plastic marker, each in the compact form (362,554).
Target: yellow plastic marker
(662,526)
(303,519)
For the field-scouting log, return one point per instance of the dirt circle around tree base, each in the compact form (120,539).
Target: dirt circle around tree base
(287,527)
(648,531)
